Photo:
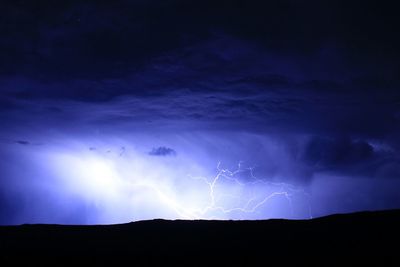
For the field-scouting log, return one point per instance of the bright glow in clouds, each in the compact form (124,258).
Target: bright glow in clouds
(135,185)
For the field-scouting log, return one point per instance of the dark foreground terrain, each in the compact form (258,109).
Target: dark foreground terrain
(360,238)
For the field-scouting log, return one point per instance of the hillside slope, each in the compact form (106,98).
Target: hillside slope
(364,238)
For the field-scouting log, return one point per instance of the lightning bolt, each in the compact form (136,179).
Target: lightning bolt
(248,203)
(251,205)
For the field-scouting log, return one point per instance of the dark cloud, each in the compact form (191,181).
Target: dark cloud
(101,39)
(22,142)
(162,151)
(327,152)
(351,157)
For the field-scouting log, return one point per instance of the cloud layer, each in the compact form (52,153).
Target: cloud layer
(306,93)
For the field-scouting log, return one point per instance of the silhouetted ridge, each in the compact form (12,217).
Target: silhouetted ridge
(363,237)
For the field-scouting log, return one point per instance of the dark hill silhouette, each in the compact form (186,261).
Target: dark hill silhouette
(344,239)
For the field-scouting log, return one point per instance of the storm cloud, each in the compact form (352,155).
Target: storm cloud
(299,93)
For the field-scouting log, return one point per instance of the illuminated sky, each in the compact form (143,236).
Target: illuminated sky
(113,112)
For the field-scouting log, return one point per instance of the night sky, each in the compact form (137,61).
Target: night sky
(116,111)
